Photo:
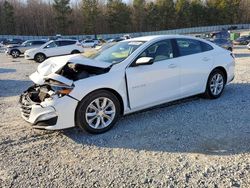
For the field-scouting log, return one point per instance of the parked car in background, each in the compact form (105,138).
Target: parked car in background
(224,43)
(54,48)
(16,50)
(89,43)
(220,34)
(135,74)
(97,42)
(243,40)
(12,41)
(117,39)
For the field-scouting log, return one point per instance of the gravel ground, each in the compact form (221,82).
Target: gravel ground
(192,143)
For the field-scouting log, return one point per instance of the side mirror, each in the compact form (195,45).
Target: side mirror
(144,61)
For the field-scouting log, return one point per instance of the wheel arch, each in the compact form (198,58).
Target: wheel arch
(76,51)
(221,69)
(15,50)
(114,92)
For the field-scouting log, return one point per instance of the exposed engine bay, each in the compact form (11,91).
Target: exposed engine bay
(75,72)
(37,94)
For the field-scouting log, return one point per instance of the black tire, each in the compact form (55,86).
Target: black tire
(15,53)
(83,107)
(39,58)
(230,49)
(75,52)
(209,93)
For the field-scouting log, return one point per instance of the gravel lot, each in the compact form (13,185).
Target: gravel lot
(192,143)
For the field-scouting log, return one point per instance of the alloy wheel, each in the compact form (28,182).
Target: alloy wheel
(216,84)
(15,54)
(100,113)
(40,58)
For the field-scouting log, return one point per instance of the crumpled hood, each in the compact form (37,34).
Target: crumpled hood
(48,68)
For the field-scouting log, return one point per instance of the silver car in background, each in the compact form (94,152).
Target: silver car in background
(16,50)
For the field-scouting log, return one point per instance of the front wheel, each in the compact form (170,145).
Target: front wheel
(39,58)
(98,112)
(215,84)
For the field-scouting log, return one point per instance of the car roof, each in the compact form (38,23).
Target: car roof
(65,40)
(153,37)
(44,40)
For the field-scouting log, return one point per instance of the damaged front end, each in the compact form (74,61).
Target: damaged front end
(45,106)
(35,106)
(48,104)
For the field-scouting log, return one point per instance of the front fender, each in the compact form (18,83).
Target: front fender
(111,80)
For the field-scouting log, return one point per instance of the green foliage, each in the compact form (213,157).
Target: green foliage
(183,13)
(7,18)
(39,17)
(118,16)
(166,14)
(138,14)
(90,14)
(152,17)
(62,11)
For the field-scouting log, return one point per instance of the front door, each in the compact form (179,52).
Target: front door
(149,85)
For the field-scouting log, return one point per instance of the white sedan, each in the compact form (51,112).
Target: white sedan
(92,93)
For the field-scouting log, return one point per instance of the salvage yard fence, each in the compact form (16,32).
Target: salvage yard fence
(192,30)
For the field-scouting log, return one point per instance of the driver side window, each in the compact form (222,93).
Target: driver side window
(159,51)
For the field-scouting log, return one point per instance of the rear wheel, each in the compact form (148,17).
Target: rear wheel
(39,58)
(15,53)
(215,84)
(98,112)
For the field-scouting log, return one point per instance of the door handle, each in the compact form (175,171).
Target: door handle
(171,66)
(205,59)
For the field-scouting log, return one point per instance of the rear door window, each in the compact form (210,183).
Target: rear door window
(188,46)
(65,42)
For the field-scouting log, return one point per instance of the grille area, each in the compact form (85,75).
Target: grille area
(26,104)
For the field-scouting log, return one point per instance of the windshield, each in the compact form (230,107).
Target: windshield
(118,52)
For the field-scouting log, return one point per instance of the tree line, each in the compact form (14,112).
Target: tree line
(39,17)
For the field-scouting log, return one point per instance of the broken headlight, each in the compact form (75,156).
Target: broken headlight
(59,88)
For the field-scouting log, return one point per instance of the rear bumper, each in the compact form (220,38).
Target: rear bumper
(50,114)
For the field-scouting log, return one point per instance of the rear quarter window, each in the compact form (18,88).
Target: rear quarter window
(205,47)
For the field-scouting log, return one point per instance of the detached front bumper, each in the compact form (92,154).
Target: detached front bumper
(51,114)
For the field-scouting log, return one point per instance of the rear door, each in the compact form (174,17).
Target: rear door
(65,46)
(195,61)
